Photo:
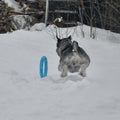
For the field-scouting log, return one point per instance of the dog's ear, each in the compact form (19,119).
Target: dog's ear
(70,37)
(58,38)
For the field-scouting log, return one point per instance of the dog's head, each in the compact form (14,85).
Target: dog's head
(62,44)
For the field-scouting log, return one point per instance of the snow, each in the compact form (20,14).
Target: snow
(38,27)
(13,4)
(25,96)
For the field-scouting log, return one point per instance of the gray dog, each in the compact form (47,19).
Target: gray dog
(72,57)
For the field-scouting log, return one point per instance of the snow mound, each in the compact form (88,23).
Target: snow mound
(38,27)
(25,96)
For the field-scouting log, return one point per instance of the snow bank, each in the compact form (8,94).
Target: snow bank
(25,96)
(38,27)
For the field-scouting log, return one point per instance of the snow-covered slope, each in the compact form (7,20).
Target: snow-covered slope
(25,96)
(13,4)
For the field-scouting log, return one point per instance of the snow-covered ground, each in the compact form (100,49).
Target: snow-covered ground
(13,4)
(25,96)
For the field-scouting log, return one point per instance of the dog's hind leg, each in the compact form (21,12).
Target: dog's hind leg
(64,70)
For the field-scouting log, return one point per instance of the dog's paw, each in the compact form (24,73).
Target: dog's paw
(63,75)
(83,74)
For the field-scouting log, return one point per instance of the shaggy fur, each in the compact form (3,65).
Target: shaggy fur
(72,57)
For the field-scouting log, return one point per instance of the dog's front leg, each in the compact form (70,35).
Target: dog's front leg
(59,67)
(64,70)
(83,70)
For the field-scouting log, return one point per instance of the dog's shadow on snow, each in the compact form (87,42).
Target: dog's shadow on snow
(73,78)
